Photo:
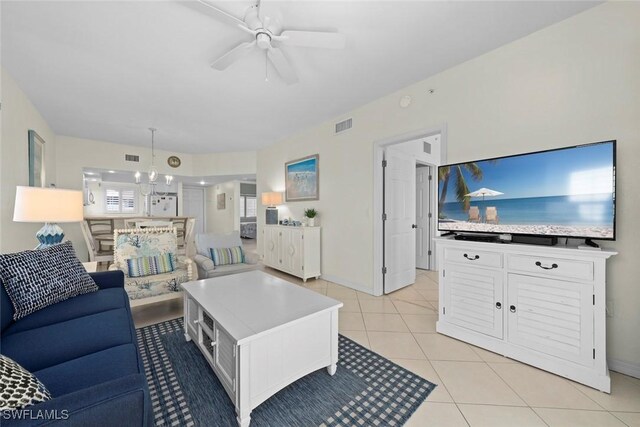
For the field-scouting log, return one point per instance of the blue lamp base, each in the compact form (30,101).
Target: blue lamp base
(49,235)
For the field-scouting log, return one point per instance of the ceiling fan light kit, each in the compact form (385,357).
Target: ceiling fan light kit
(268,36)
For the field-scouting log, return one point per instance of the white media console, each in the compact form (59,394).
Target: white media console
(542,305)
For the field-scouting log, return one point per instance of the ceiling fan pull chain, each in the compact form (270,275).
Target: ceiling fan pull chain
(266,66)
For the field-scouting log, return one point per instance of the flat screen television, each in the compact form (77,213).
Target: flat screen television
(565,192)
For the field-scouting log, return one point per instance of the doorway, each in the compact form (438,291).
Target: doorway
(424,216)
(404,199)
(193,206)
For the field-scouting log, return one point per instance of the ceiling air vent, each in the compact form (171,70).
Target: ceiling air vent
(344,125)
(427,147)
(131,158)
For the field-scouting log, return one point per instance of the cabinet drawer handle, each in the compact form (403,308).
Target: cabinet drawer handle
(512,308)
(475,257)
(214,343)
(498,305)
(554,265)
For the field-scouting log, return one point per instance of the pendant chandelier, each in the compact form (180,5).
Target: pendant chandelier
(152,174)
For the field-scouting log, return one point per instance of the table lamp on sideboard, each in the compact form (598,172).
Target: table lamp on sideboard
(48,205)
(271,200)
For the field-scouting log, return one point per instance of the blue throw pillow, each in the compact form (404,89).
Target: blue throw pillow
(38,278)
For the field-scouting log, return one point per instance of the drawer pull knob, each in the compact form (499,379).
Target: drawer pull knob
(214,343)
(498,305)
(512,308)
(475,257)
(554,265)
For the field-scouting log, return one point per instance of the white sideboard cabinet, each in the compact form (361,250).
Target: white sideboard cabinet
(542,305)
(294,250)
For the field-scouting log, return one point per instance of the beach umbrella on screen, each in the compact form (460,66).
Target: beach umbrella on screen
(484,192)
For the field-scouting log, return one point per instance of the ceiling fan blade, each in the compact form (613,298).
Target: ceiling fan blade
(312,39)
(233,55)
(207,8)
(282,65)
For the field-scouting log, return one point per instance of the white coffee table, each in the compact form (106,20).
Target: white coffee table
(260,333)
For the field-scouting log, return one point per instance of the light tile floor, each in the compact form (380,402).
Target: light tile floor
(475,387)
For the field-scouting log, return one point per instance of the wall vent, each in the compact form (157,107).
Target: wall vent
(344,125)
(131,158)
(427,147)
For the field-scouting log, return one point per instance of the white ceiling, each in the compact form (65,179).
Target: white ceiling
(109,70)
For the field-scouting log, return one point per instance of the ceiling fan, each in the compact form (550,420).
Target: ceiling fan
(268,34)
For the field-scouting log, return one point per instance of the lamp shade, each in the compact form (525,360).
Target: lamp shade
(36,204)
(271,198)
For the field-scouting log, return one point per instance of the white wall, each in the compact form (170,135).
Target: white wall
(223,220)
(19,116)
(574,82)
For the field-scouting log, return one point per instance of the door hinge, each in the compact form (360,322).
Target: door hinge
(430,177)
(384,163)
(429,252)
(594,353)
(444,273)
(384,270)
(429,215)
(384,216)
(444,310)
(303,268)
(594,299)
(303,237)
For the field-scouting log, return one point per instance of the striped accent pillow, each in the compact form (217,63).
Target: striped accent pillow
(150,265)
(226,256)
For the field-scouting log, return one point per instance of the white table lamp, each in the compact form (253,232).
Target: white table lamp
(271,200)
(48,205)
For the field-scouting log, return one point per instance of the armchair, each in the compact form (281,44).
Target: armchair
(206,268)
(148,242)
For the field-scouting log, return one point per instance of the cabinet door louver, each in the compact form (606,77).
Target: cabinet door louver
(470,299)
(552,317)
(225,359)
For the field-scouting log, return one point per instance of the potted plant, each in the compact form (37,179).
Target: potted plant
(311,214)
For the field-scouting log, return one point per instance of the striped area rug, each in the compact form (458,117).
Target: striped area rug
(367,390)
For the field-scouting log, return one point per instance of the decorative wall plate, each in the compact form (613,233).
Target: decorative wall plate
(174,161)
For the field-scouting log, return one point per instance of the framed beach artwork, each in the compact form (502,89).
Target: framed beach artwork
(302,178)
(36,160)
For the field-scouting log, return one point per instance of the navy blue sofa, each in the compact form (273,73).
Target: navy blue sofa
(84,351)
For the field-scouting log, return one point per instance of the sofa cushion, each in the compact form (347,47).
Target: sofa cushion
(226,256)
(156,285)
(213,240)
(18,387)
(225,270)
(83,305)
(35,279)
(149,265)
(90,370)
(39,348)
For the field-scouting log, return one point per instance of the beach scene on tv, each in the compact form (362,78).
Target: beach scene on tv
(567,192)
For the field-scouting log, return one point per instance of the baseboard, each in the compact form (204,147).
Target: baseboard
(348,283)
(622,367)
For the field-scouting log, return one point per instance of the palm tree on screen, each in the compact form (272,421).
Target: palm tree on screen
(446,173)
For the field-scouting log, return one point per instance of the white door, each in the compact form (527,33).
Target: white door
(271,256)
(292,250)
(423,218)
(193,206)
(399,226)
(473,299)
(551,316)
